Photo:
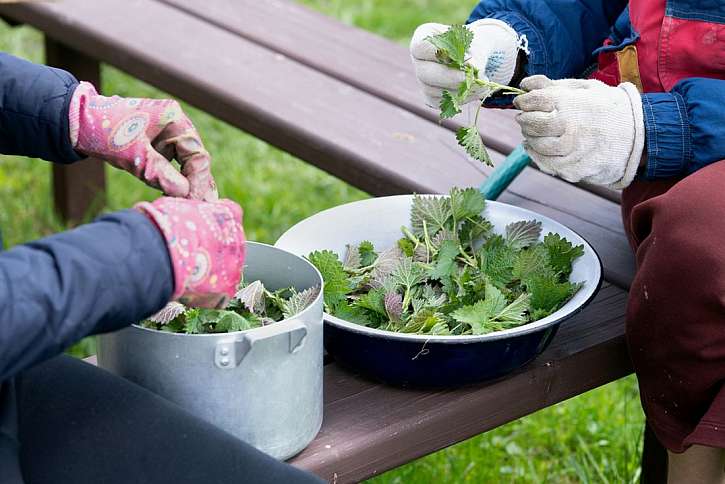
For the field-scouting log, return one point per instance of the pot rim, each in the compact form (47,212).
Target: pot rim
(299,315)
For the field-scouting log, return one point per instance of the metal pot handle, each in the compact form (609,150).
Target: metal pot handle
(230,353)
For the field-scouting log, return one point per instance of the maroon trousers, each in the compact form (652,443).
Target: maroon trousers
(676,308)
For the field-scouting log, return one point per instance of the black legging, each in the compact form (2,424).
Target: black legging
(80,424)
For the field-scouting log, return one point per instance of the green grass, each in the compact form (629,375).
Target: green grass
(591,438)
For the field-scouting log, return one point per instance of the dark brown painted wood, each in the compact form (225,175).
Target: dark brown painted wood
(78,189)
(375,427)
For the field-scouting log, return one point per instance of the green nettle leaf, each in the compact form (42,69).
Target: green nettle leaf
(497,262)
(532,261)
(385,264)
(446,264)
(452,45)
(449,105)
(194,322)
(466,203)
(299,301)
(407,246)
(408,273)
(354,314)
(367,253)
(352,258)
(515,313)
(523,234)
(548,294)
(469,138)
(423,322)
(169,312)
(561,253)
(373,301)
(228,321)
(252,297)
(433,212)
(333,273)
(474,229)
(476,316)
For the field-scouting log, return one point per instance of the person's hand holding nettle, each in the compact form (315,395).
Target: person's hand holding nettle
(493,51)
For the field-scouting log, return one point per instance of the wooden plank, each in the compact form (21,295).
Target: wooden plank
(357,57)
(358,137)
(380,427)
(79,190)
(364,140)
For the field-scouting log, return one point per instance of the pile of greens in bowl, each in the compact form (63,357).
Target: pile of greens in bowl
(450,273)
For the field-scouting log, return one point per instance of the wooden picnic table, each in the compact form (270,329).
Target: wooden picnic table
(346,101)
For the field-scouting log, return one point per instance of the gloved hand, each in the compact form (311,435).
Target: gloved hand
(493,52)
(141,136)
(583,130)
(206,247)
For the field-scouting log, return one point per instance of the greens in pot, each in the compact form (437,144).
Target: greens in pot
(450,274)
(252,306)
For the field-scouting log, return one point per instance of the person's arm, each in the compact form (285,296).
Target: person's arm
(46,113)
(561,34)
(34,102)
(684,128)
(93,279)
(116,271)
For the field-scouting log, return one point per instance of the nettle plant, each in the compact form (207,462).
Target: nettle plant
(252,306)
(450,274)
(452,47)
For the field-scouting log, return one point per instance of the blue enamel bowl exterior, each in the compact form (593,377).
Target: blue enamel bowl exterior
(435,364)
(432,361)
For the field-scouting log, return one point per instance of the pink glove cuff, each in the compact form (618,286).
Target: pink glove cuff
(81,93)
(206,245)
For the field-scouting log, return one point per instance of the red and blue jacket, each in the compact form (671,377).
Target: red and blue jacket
(673,50)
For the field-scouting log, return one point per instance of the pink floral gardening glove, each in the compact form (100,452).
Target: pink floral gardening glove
(206,247)
(141,136)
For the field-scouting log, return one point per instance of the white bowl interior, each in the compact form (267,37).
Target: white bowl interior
(379,220)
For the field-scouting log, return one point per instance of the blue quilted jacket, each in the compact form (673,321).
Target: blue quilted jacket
(93,279)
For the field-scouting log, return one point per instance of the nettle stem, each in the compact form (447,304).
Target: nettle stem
(499,87)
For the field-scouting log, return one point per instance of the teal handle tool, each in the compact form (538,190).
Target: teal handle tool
(505,172)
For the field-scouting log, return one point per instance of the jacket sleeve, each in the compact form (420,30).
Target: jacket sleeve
(561,34)
(34,103)
(93,279)
(684,128)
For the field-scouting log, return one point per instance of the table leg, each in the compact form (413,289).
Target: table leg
(79,189)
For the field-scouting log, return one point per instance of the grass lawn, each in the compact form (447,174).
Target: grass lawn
(595,437)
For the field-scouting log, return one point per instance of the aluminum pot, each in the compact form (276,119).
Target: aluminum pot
(432,361)
(262,385)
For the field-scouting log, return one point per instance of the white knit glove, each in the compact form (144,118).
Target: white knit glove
(583,130)
(493,52)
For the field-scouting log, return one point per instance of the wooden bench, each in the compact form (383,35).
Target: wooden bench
(346,101)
